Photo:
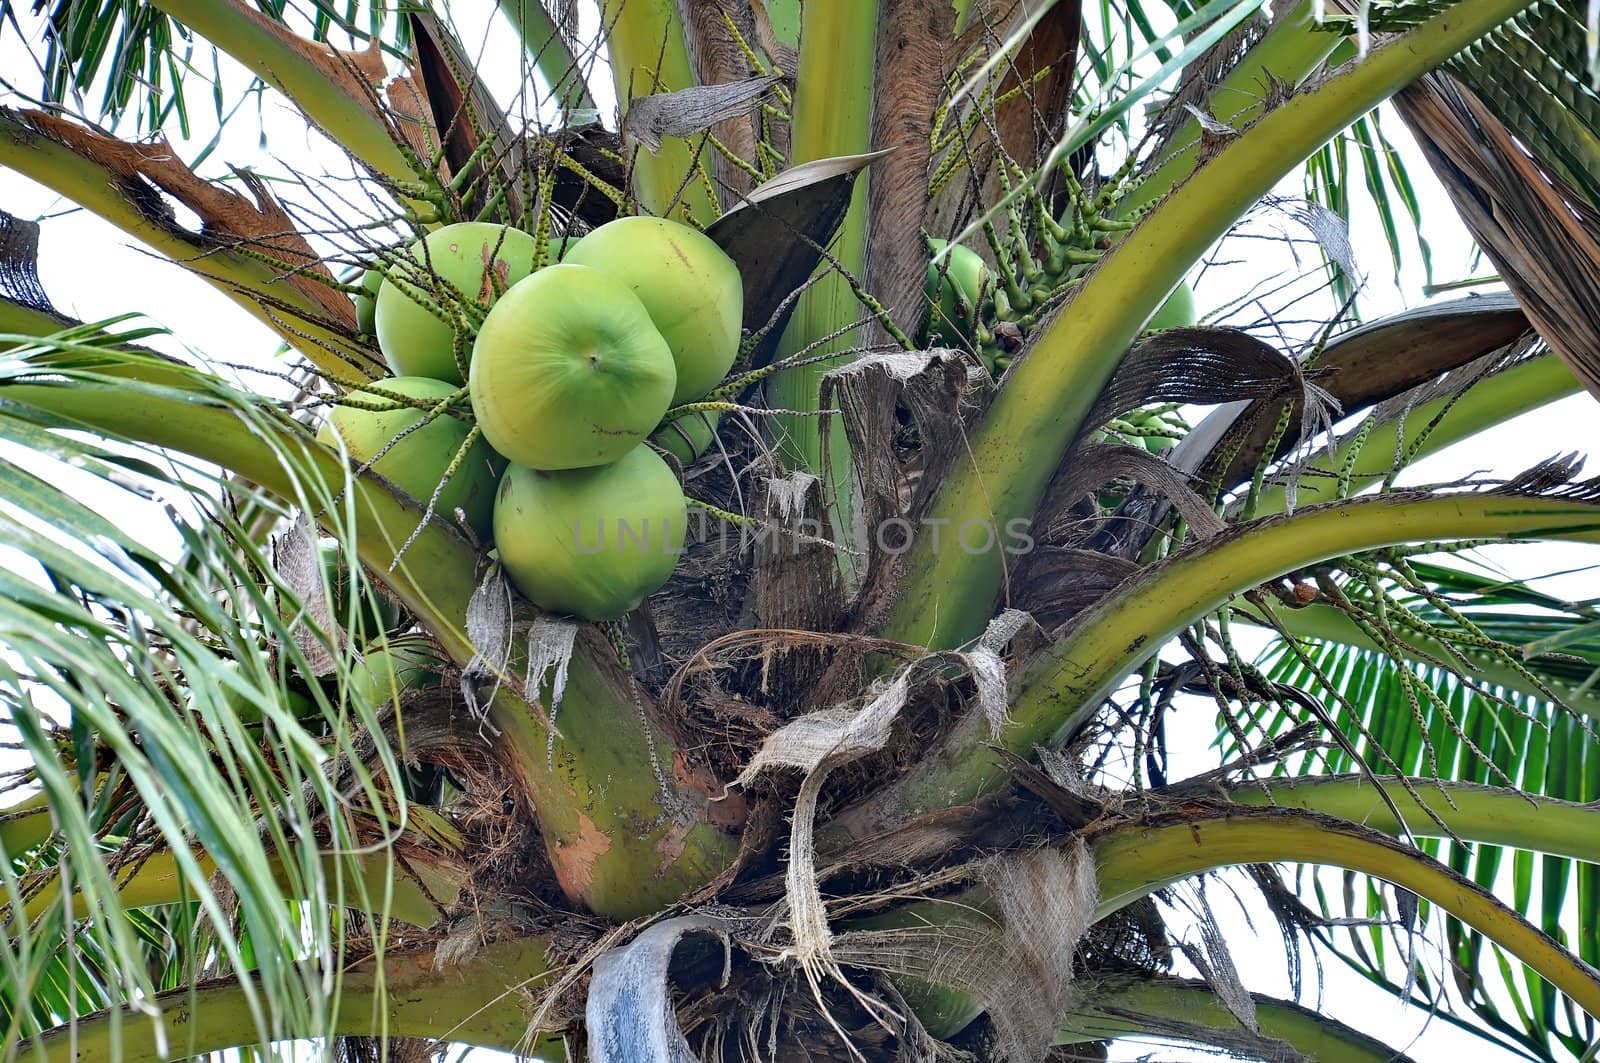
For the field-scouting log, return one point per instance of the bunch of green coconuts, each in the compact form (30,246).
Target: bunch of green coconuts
(570,368)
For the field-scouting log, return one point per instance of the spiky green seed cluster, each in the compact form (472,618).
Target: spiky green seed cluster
(1041,256)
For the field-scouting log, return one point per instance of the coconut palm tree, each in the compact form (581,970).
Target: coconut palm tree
(882,771)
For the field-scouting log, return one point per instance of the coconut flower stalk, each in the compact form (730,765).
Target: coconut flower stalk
(713,583)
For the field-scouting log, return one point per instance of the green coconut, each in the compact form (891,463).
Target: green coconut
(475,259)
(569,371)
(688,437)
(691,290)
(1177,311)
(560,247)
(955,288)
(367,301)
(249,712)
(591,542)
(417,462)
(389,668)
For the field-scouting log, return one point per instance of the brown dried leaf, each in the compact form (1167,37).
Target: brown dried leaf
(227,218)
(19,267)
(1057,583)
(356,74)
(795,584)
(822,741)
(1206,365)
(462,111)
(914,41)
(775,234)
(1401,407)
(408,102)
(718,60)
(1015,958)
(1542,234)
(1366,365)
(1096,464)
(591,148)
(933,388)
(1041,72)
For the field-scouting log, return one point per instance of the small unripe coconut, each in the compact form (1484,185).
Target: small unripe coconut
(389,668)
(591,542)
(249,712)
(688,437)
(691,290)
(367,301)
(417,462)
(955,287)
(1177,311)
(569,371)
(477,260)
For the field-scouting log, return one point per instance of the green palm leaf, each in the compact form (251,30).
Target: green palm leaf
(129,60)
(1407,718)
(116,655)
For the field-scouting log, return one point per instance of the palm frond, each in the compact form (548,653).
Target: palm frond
(1537,74)
(1511,132)
(129,61)
(221,799)
(1434,718)
(1363,169)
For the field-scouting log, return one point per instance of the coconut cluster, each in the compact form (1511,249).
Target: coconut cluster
(570,370)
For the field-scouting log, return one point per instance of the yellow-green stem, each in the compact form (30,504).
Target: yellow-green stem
(480,1002)
(247,281)
(14,317)
(1289,53)
(542,41)
(648,56)
(1526,386)
(27,823)
(1065,685)
(1135,860)
(1185,1010)
(322,84)
(1474,813)
(833,102)
(160,880)
(619,810)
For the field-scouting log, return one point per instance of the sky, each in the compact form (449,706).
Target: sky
(92,272)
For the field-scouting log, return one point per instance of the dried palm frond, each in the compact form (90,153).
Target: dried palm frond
(1540,231)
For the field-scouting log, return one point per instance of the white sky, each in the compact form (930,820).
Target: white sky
(92,271)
